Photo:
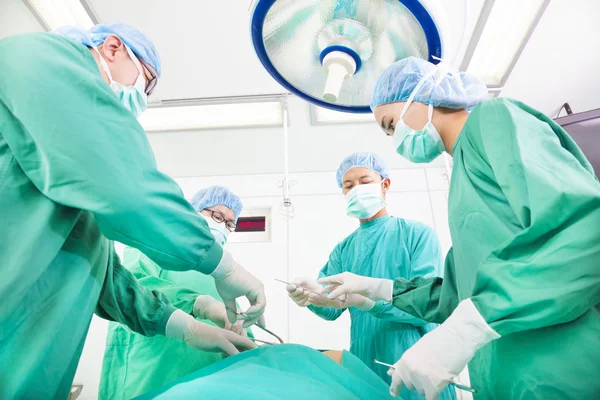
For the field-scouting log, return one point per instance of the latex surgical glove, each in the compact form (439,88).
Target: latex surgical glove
(345,301)
(439,356)
(233,281)
(207,307)
(184,327)
(297,293)
(347,283)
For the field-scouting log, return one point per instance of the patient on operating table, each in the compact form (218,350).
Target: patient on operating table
(283,371)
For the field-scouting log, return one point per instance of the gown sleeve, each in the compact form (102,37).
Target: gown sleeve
(426,262)
(548,272)
(81,148)
(147,273)
(124,300)
(432,299)
(333,267)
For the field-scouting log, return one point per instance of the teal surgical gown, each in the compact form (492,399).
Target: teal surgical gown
(135,364)
(283,371)
(76,171)
(524,212)
(387,247)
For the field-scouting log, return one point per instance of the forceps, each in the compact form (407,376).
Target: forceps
(241,314)
(455,384)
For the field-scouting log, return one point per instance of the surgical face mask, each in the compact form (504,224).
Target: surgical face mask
(219,231)
(133,97)
(364,201)
(419,146)
(423,145)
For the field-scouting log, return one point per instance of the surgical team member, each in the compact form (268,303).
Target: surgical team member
(520,297)
(383,246)
(135,364)
(77,171)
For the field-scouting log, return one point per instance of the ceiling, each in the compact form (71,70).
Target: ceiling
(207,52)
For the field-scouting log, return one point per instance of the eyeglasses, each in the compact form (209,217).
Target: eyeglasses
(220,218)
(153,80)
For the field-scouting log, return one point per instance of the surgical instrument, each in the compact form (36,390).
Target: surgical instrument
(241,314)
(455,384)
(261,341)
(310,291)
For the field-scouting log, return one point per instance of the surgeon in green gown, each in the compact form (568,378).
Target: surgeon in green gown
(382,246)
(134,364)
(76,172)
(520,297)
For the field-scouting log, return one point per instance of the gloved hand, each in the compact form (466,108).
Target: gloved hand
(351,300)
(297,293)
(233,281)
(207,307)
(346,283)
(439,356)
(184,327)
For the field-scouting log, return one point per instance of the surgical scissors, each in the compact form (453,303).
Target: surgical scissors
(455,384)
(241,314)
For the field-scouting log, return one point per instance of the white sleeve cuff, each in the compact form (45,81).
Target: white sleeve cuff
(384,290)
(225,266)
(367,305)
(177,324)
(468,324)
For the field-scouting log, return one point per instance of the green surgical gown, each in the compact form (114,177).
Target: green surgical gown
(283,371)
(524,212)
(135,364)
(387,247)
(76,171)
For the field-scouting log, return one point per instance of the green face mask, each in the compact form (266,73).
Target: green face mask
(418,146)
(364,201)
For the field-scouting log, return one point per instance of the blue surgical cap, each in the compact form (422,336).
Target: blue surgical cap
(217,196)
(134,39)
(362,159)
(456,90)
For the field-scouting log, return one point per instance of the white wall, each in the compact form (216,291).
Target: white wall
(319,224)
(260,151)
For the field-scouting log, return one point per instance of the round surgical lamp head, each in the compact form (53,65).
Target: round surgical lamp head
(331,52)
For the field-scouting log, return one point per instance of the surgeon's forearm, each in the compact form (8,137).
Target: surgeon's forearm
(164,226)
(326,313)
(424,298)
(124,300)
(385,310)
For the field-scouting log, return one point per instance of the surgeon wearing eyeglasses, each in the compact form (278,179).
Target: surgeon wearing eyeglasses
(76,173)
(134,364)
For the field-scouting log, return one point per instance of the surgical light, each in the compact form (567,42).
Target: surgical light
(331,52)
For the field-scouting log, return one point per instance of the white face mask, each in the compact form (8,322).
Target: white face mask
(133,97)
(364,201)
(219,231)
